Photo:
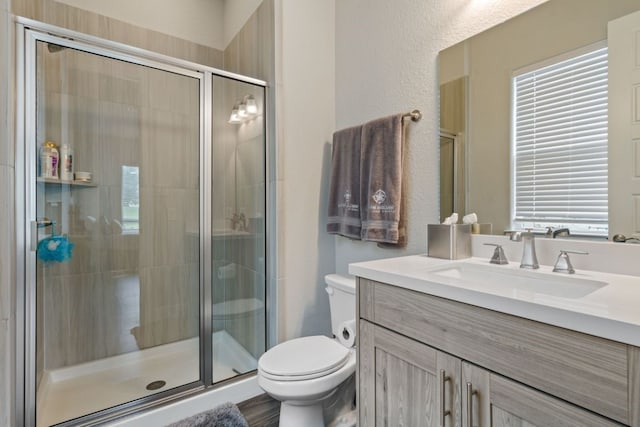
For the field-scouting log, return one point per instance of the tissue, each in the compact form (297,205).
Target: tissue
(347,334)
(471,218)
(453,219)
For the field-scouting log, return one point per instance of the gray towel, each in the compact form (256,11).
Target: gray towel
(344,192)
(381,180)
(225,415)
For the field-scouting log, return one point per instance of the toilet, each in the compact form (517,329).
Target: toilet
(302,372)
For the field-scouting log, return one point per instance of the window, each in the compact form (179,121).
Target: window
(130,200)
(560,145)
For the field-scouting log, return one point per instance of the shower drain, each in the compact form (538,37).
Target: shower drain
(155,385)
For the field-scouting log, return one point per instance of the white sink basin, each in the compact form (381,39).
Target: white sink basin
(505,278)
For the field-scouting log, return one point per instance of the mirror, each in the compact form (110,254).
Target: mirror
(475,104)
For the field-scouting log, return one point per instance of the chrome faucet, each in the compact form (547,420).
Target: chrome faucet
(238,222)
(562,232)
(242,222)
(563,264)
(529,258)
(498,255)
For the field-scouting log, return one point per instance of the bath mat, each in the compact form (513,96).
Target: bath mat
(225,415)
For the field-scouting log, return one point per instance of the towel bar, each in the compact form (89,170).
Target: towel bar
(415,115)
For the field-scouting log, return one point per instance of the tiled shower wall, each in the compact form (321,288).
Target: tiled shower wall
(251,51)
(122,290)
(69,17)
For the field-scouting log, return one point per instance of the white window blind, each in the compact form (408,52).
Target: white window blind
(560,145)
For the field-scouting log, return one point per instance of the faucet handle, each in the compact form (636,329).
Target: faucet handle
(563,264)
(498,255)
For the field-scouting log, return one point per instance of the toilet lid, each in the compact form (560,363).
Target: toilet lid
(303,358)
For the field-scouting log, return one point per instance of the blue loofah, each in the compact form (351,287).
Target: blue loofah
(55,248)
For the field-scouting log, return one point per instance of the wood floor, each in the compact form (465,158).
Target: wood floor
(261,411)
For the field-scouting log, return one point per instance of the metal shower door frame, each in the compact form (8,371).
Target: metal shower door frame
(28,33)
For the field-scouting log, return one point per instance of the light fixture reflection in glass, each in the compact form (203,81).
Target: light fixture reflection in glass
(242,110)
(235,115)
(252,107)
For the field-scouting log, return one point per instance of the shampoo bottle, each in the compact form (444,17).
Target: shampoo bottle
(66,163)
(49,158)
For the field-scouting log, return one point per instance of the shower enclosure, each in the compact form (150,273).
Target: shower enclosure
(145,272)
(452,173)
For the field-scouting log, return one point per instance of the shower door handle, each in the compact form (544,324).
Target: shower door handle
(35,225)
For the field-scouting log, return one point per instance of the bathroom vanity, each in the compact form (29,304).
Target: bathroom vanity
(438,348)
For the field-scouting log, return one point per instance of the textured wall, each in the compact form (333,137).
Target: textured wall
(386,62)
(305,88)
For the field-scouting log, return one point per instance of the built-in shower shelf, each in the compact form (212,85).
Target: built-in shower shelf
(62,182)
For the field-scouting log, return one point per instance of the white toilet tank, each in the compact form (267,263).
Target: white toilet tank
(342,299)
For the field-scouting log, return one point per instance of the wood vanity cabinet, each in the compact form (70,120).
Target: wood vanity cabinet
(429,361)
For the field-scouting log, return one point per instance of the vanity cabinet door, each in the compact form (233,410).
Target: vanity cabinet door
(403,382)
(492,400)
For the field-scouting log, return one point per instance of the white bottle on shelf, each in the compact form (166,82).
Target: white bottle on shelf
(49,157)
(66,163)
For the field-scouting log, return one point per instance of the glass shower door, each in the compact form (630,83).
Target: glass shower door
(238,227)
(117,189)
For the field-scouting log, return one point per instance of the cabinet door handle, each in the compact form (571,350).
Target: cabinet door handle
(443,411)
(470,393)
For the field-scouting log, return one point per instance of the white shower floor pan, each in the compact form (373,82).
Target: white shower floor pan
(79,390)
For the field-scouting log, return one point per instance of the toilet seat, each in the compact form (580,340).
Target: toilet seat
(303,359)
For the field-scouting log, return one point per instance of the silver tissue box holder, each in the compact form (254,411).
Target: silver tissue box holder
(449,241)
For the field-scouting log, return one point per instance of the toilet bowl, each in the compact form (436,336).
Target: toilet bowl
(302,372)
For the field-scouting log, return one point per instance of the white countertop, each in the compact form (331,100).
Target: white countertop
(611,312)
